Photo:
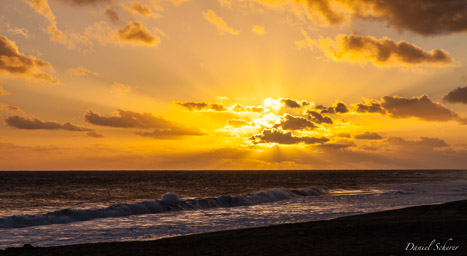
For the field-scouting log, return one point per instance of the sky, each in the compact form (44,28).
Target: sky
(233,84)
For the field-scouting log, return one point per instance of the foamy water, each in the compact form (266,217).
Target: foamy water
(171,215)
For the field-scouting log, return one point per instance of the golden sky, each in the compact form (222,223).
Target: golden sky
(232,84)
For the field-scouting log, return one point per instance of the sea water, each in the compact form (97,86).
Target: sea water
(61,208)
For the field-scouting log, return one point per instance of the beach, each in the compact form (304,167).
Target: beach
(420,230)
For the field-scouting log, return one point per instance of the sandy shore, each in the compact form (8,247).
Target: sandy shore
(422,230)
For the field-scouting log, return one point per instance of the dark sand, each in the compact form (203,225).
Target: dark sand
(382,233)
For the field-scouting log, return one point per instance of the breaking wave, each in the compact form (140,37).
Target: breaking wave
(169,202)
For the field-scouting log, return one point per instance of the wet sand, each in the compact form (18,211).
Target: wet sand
(421,230)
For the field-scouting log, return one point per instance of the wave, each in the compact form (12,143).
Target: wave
(169,202)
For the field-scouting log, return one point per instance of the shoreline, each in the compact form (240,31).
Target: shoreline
(439,229)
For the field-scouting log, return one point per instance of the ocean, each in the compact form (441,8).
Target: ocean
(50,208)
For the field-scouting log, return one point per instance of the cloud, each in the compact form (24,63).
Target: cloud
(120,89)
(419,16)
(212,17)
(291,103)
(338,107)
(80,71)
(138,8)
(259,30)
(85,2)
(400,107)
(130,119)
(112,15)
(308,42)
(319,118)
(200,106)
(95,135)
(284,137)
(458,95)
(12,30)
(370,106)
(421,107)
(36,124)
(381,52)
(423,143)
(12,62)
(237,123)
(368,136)
(219,107)
(172,133)
(290,122)
(134,33)
(75,41)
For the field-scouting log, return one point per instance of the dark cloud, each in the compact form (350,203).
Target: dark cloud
(290,122)
(135,32)
(425,17)
(192,106)
(36,124)
(291,103)
(423,142)
(401,107)
(319,118)
(95,135)
(382,51)
(421,107)
(372,106)
(458,95)
(340,107)
(368,136)
(112,15)
(14,63)
(337,108)
(421,16)
(202,106)
(131,119)
(284,137)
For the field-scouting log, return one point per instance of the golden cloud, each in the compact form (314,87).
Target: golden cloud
(14,63)
(133,33)
(259,30)
(381,52)
(212,17)
(138,8)
(80,71)
(75,41)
